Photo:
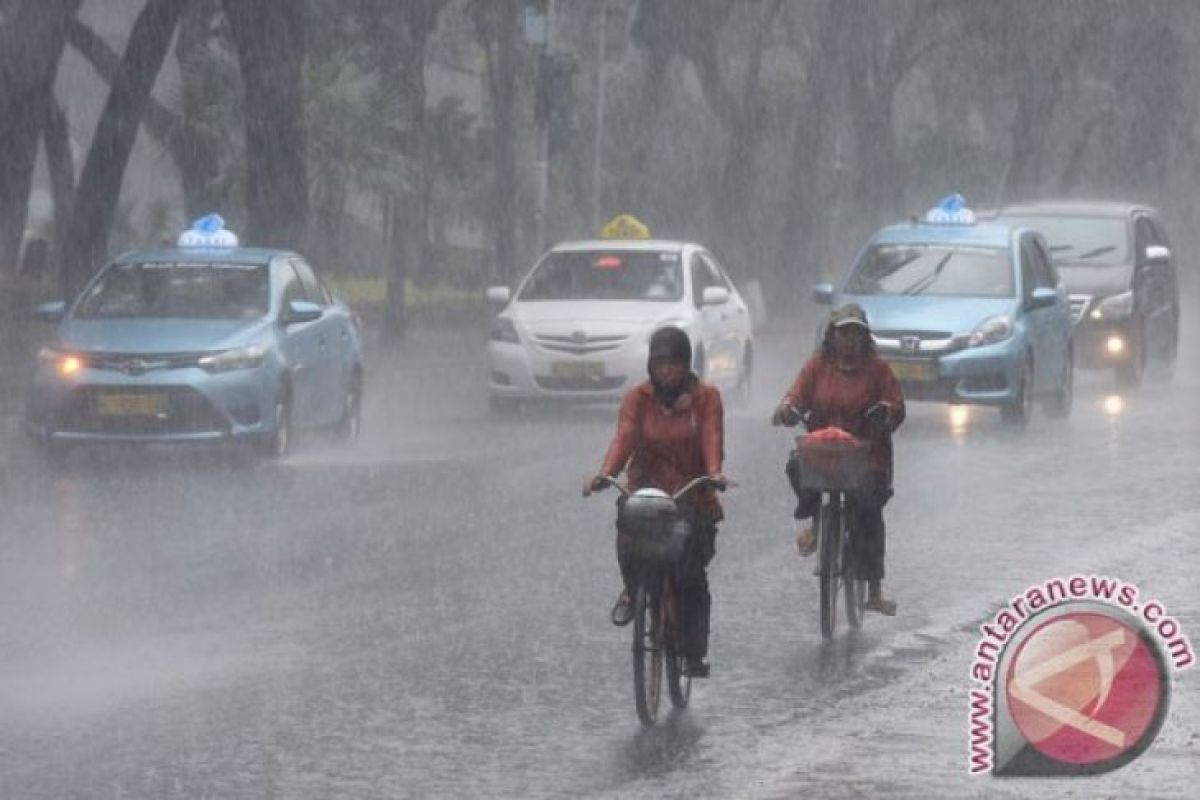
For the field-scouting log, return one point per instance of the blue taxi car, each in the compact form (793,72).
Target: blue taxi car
(966,312)
(204,342)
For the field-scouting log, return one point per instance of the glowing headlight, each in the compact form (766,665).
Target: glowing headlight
(991,330)
(503,330)
(64,364)
(239,358)
(1119,306)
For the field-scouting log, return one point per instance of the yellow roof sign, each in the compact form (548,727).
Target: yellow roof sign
(625,226)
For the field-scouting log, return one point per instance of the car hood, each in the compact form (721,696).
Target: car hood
(156,335)
(635,313)
(942,314)
(1096,281)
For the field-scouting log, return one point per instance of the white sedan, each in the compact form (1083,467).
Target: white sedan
(578,325)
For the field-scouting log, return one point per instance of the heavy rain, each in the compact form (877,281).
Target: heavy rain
(291,452)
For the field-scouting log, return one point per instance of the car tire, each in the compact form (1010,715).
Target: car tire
(503,406)
(349,424)
(1058,405)
(277,445)
(1016,414)
(1129,375)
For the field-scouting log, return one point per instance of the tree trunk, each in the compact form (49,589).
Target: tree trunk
(31,45)
(502,73)
(270,39)
(61,166)
(104,169)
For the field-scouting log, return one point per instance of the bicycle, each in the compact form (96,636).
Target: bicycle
(660,539)
(835,469)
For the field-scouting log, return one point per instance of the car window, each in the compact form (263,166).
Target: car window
(1160,234)
(932,269)
(1051,271)
(703,276)
(293,289)
(312,287)
(178,290)
(1079,241)
(1041,270)
(652,275)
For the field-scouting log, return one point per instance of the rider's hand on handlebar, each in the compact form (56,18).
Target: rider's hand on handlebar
(786,415)
(721,481)
(879,414)
(596,483)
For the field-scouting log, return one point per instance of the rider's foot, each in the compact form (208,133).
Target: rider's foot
(622,612)
(696,668)
(806,541)
(877,602)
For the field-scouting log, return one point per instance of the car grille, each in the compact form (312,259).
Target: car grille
(184,411)
(1079,304)
(580,344)
(912,342)
(140,363)
(557,383)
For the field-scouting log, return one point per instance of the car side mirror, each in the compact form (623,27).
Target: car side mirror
(1042,297)
(714,296)
(299,311)
(1156,253)
(50,312)
(498,295)
(823,294)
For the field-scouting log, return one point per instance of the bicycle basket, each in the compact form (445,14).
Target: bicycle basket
(837,465)
(656,531)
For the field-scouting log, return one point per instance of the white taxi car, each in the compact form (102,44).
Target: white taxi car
(578,326)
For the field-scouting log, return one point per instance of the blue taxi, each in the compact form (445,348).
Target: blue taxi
(966,312)
(204,342)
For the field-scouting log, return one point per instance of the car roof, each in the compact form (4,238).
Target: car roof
(214,255)
(587,245)
(1075,208)
(984,234)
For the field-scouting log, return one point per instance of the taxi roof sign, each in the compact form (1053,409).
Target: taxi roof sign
(951,210)
(208,231)
(625,226)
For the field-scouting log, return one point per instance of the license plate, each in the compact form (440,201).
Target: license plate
(131,405)
(578,370)
(914,371)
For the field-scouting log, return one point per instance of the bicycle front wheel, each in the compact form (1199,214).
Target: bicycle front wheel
(830,571)
(679,685)
(647,655)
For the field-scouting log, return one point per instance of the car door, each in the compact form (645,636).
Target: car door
(710,326)
(735,316)
(1037,322)
(301,346)
(327,380)
(1058,317)
(1151,280)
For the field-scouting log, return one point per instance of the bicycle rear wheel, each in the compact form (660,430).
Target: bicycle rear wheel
(679,685)
(647,656)
(830,571)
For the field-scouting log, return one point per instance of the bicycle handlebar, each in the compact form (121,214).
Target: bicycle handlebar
(720,486)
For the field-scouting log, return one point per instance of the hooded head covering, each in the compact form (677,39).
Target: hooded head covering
(674,345)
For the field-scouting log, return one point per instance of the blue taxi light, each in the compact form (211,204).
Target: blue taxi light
(208,231)
(951,209)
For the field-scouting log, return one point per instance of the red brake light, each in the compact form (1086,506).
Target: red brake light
(609,262)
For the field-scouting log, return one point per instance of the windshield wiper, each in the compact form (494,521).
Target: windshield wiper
(1058,248)
(924,282)
(1099,251)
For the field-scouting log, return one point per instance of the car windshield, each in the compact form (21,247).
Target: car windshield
(191,291)
(653,275)
(933,269)
(1082,241)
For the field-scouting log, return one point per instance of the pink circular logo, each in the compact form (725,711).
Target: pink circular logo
(1086,688)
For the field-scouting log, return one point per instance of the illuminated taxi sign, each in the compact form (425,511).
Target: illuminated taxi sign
(625,226)
(208,232)
(608,262)
(950,210)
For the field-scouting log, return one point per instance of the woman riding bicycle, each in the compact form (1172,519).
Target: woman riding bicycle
(670,429)
(846,385)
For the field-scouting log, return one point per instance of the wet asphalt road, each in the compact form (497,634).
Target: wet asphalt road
(426,613)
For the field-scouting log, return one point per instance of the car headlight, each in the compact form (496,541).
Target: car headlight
(503,330)
(238,358)
(63,364)
(991,330)
(1119,306)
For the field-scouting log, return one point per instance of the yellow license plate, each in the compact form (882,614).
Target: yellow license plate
(577,370)
(131,405)
(914,371)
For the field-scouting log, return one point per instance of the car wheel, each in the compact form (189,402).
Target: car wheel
(1016,414)
(350,422)
(1129,375)
(503,406)
(276,445)
(1058,405)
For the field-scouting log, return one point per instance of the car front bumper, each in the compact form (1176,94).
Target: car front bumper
(986,376)
(524,372)
(1104,344)
(169,405)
